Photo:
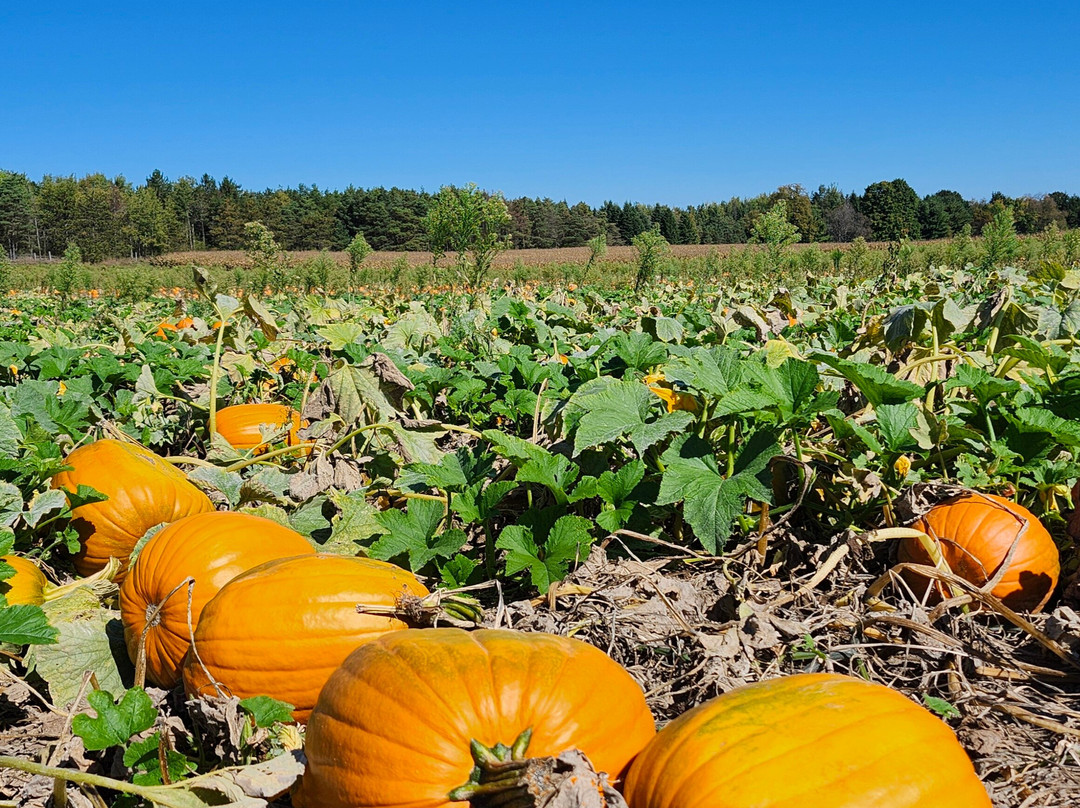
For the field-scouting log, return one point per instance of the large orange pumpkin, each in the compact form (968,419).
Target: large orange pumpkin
(213,548)
(976,532)
(394,724)
(27,585)
(281,628)
(815,740)
(240,424)
(142,489)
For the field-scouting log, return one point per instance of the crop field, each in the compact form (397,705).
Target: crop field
(380,538)
(507,259)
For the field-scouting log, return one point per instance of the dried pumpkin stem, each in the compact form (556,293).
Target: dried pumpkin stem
(440,607)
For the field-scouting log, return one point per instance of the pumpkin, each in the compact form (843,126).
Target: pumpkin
(213,548)
(975,533)
(162,328)
(281,628)
(26,586)
(395,722)
(142,489)
(815,740)
(240,424)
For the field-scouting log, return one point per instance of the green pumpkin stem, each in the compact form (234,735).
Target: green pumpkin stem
(497,780)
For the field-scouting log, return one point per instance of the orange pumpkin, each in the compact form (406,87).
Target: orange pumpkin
(186,322)
(281,628)
(394,724)
(240,424)
(815,740)
(162,327)
(26,586)
(142,489)
(975,532)
(213,548)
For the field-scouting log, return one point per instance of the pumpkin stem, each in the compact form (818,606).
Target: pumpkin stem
(442,607)
(153,618)
(101,582)
(505,778)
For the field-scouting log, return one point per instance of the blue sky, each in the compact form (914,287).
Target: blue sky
(678,103)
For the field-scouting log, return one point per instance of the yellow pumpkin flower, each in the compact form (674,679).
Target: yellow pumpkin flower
(902,466)
(673,398)
(61,389)
(14,370)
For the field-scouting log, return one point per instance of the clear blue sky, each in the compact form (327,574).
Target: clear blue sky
(668,102)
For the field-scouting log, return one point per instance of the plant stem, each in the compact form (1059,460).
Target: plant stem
(215,373)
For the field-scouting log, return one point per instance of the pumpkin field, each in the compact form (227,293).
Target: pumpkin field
(709,543)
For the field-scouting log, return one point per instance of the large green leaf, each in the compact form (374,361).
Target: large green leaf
(711,502)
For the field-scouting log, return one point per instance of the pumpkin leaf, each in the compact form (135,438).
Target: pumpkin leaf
(479,501)
(711,501)
(355,523)
(88,638)
(517,450)
(554,472)
(266,711)
(568,540)
(143,758)
(895,422)
(7,544)
(25,624)
(413,534)
(11,503)
(116,721)
(982,385)
(458,571)
(877,384)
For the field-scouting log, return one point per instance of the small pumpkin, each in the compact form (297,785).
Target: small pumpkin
(142,489)
(27,586)
(395,723)
(975,532)
(213,548)
(816,740)
(240,424)
(185,322)
(281,628)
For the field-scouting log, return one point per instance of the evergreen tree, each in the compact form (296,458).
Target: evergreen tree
(16,213)
(633,220)
(892,208)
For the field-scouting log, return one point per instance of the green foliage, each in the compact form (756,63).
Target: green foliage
(892,208)
(67,277)
(358,250)
(269,262)
(265,711)
(651,249)
(774,230)
(471,223)
(1000,242)
(116,721)
(318,272)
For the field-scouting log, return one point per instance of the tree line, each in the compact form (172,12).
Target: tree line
(112,218)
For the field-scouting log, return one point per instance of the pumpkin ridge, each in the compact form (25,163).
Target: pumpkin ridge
(923,794)
(1018,521)
(389,735)
(452,712)
(671,749)
(759,762)
(773,753)
(553,693)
